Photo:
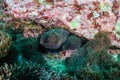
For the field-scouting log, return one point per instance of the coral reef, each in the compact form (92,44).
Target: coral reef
(93,61)
(84,18)
(31,28)
(5,43)
(31,71)
(26,71)
(59,40)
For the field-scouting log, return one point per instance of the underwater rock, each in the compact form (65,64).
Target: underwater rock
(5,43)
(54,38)
(72,42)
(91,53)
(23,71)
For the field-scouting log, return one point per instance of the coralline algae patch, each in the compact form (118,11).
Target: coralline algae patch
(85,18)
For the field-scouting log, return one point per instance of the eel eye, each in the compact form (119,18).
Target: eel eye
(46,39)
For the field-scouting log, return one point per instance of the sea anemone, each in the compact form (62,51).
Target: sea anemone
(5,43)
(31,71)
(26,71)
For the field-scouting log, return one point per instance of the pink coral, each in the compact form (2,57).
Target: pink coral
(84,17)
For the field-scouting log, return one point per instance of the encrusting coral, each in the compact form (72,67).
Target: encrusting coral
(85,18)
(5,43)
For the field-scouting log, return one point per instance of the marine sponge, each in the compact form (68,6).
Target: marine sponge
(5,43)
